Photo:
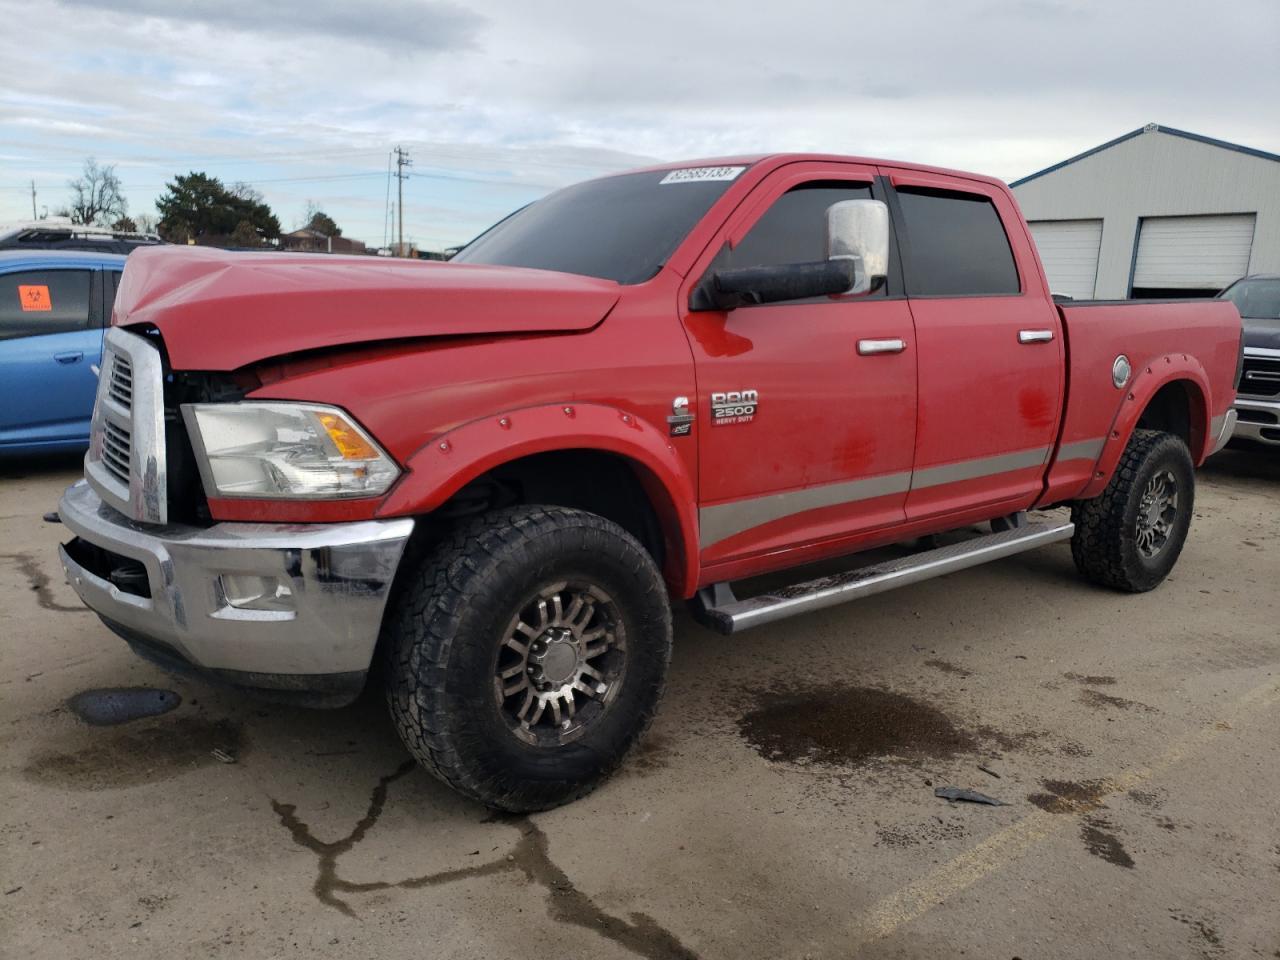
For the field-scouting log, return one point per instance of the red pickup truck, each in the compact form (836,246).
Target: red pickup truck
(493,475)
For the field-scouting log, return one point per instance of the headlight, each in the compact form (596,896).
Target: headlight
(286,451)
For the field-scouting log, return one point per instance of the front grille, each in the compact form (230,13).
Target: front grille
(115,451)
(1245,415)
(120,382)
(1261,377)
(126,463)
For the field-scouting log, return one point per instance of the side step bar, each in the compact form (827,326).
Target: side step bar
(717,608)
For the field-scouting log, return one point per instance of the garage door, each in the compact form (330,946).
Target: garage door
(1193,252)
(1069,251)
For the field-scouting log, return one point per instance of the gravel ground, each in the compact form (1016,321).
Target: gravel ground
(783,805)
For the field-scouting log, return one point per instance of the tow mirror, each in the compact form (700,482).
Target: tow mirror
(858,231)
(857,263)
(727,289)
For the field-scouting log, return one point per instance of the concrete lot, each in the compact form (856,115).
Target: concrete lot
(782,806)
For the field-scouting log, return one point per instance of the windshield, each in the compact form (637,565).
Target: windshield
(1258,299)
(618,228)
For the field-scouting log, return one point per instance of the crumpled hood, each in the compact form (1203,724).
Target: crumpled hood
(219,310)
(1262,333)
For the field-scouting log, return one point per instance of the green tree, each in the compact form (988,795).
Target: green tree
(125,225)
(244,235)
(199,207)
(320,222)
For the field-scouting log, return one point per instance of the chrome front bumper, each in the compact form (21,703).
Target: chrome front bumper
(325,588)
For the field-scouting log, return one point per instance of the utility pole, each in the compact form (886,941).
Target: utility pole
(402,161)
(33,201)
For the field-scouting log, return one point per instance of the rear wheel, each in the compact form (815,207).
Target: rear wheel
(1130,537)
(527,655)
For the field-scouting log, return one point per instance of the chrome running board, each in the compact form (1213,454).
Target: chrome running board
(717,608)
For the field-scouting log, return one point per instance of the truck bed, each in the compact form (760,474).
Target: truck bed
(1097,333)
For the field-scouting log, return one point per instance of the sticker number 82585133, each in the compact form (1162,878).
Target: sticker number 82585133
(699,174)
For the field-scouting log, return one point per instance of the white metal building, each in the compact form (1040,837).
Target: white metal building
(1155,213)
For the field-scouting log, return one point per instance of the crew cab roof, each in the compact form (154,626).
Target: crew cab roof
(770,161)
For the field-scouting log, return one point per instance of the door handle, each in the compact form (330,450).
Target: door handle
(867,348)
(1035,336)
(74,356)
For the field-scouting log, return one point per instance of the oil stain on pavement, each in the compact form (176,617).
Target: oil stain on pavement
(849,726)
(641,935)
(1099,701)
(1085,797)
(1100,841)
(1069,796)
(136,755)
(39,582)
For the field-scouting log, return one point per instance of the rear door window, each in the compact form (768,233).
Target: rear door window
(955,245)
(38,302)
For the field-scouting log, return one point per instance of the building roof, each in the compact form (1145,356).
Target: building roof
(1149,128)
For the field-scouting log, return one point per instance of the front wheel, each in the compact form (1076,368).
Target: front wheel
(527,654)
(1130,537)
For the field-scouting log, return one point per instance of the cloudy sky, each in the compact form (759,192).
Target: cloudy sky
(500,101)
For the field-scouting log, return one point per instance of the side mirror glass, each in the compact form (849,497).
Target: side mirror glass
(858,230)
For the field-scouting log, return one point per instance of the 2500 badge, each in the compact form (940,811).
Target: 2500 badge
(734,406)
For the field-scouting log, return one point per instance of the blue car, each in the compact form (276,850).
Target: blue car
(54,307)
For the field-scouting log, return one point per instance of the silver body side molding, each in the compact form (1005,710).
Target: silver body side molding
(719,521)
(717,608)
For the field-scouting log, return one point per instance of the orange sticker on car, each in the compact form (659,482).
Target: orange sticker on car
(34,297)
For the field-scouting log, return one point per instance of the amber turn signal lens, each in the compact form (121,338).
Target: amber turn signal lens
(347,439)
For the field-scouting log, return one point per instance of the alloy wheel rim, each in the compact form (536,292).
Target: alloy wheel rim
(1157,514)
(561,663)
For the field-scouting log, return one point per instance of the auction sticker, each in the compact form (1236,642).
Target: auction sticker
(34,297)
(699,174)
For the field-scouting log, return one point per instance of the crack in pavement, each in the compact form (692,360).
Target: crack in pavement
(642,935)
(29,567)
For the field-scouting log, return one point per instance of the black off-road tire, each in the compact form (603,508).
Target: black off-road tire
(443,639)
(1105,543)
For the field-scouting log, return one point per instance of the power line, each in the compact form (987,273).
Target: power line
(333,177)
(490,155)
(498,181)
(319,178)
(159,159)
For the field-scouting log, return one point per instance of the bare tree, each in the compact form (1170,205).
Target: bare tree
(97,197)
(247,191)
(146,222)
